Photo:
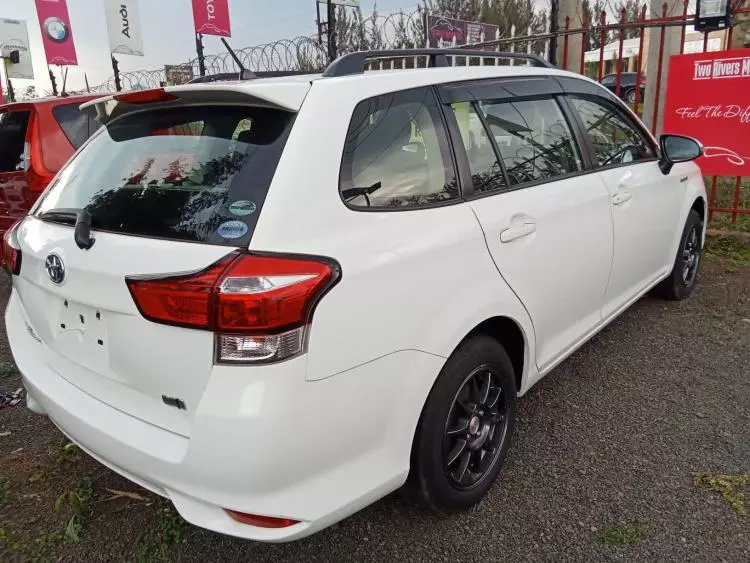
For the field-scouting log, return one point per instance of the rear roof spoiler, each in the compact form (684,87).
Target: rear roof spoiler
(281,95)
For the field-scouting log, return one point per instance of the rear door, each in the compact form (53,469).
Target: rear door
(14,162)
(169,190)
(546,221)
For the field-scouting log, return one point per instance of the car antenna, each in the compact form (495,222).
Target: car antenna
(245,74)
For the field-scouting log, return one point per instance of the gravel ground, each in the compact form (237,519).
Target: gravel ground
(601,468)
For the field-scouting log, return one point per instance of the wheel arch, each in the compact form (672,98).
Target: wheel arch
(508,333)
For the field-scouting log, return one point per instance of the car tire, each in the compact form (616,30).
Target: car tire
(684,275)
(473,401)
(629,96)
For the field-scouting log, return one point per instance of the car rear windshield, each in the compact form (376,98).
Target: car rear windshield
(198,173)
(13,139)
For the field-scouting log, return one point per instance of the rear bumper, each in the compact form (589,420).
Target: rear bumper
(264,440)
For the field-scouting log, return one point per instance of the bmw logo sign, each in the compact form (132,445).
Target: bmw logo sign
(56,29)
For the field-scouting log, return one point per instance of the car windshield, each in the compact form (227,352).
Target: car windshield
(198,174)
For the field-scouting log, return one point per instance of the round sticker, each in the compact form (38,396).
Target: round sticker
(242,207)
(232,229)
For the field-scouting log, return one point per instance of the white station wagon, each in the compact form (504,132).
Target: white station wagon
(276,301)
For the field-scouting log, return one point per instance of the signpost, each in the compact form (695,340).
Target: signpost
(708,98)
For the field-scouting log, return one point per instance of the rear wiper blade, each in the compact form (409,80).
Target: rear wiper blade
(351,193)
(80,218)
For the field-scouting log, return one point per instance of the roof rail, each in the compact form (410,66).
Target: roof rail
(354,63)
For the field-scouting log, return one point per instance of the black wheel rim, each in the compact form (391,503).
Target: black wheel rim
(476,428)
(691,255)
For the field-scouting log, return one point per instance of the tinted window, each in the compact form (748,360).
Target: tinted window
(486,172)
(12,139)
(396,154)
(609,80)
(76,125)
(197,174)
(616,140)
(533,137)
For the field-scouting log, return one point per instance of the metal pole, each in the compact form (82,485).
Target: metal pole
(201,58)
(116,71)
(53,80)
(11,93)
(554,27)
(331,31)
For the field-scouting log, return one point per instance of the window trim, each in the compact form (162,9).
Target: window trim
(637,126)
(469,193)
(442,129)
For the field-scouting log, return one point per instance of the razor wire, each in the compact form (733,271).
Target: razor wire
(354,33)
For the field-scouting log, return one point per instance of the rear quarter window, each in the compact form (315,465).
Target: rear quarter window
(76,125)
(396,154)
(197,173)
(13,125)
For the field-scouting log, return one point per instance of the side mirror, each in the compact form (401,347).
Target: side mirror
(676,148)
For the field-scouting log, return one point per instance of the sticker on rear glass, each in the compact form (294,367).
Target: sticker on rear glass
(232,229)
(242,207)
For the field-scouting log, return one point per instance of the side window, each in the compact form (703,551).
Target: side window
(486,172)
(534,139)
(615,139)
(396,154)
(13,125)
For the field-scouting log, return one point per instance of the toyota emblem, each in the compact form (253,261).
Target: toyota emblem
(55,268)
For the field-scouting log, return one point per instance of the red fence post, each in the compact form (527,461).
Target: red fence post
(619,55)
(712,200)
(602,37)
(736,202)
(639,68)
(565,43)
(654,121)
(585,23)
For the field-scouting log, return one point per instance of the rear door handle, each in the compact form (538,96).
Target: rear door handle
(518,231)
(621,196)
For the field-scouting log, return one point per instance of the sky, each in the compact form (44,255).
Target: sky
(168,33)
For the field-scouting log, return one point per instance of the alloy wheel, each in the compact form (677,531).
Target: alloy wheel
(476,428)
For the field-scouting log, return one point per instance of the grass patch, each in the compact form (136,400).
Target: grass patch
(724,198)
(622,534)
(8,369)
(79,502)
(727,486)
(736,250)
(66,453)
(170,530)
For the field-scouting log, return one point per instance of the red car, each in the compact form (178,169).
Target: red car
(36,138)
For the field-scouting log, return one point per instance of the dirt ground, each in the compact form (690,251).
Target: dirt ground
(635,448)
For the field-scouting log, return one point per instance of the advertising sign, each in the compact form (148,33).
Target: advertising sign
(346,3)
(14,36)
(124,26)
(708,98)
(178,74)
(212,17)
(445,33)
(57,34)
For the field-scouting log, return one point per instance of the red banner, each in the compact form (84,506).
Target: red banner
(708,98)
(212,17)
(57,34)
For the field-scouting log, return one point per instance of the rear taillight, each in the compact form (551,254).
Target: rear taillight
(258,305)
(12,250)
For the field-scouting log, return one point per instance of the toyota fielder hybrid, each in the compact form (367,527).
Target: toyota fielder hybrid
(276,301)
